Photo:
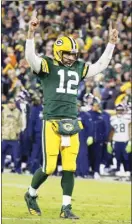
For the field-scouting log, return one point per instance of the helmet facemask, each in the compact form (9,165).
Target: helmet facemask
(68,58)
(119,112)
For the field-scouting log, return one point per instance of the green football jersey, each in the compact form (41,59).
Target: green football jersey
(60,86)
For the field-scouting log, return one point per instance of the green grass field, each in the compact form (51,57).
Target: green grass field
(96,202)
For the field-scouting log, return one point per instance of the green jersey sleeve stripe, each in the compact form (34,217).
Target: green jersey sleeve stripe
(45,67)
(85,70)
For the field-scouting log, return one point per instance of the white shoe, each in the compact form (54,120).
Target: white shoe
(127,174)
(27,172)
(127,179)
(96,176)
(118,174)
(106,173)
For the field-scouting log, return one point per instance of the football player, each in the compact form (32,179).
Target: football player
(34,130)
(96,140)
(59,78)
(121,138)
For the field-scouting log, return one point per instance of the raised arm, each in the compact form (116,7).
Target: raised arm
(105,58)
(33,60)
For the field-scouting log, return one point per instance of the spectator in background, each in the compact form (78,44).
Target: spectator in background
(25,145)
(99,85)
(49,49)
(77,37)
(22,75)
(11,128)
(82,20)
(3,99)
(118,70)
(87,88)
(109,94)
(16,84)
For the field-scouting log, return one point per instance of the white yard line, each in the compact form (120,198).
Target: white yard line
(26,187)
(59,220)
(15,185)
(83,204)
(106,179)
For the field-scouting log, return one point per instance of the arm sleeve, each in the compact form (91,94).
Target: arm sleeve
(103,61)
(33,60)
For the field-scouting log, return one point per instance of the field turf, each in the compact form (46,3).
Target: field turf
(96,202)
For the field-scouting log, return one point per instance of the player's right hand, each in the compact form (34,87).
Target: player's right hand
(90,141)
(34,22)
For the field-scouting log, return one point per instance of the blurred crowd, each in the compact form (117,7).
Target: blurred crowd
(88,23)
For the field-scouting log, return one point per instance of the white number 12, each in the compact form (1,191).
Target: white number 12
(71,82)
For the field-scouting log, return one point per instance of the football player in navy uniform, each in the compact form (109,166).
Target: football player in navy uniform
(96,140)
(34,130)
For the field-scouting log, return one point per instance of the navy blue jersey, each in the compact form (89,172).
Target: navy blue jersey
(35,122)
(97,126)
(87,123)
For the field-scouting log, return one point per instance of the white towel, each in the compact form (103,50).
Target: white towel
(65,141)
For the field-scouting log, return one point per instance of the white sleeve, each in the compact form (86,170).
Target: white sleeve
(103,61)
(33,60)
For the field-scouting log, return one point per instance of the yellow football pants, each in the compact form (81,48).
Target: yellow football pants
(51,144)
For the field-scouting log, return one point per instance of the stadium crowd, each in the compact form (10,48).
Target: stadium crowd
(99,97)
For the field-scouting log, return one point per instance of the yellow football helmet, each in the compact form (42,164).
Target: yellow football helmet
(65,44)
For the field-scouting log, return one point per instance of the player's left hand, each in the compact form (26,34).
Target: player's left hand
(129,147)
(109,148)
(113,33)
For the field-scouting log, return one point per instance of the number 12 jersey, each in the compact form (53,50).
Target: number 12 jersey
(60,85)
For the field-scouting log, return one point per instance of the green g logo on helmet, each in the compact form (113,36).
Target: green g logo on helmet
(68,127)
(59,42)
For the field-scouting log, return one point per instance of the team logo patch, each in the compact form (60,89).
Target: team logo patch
(59,42)
(68,127)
